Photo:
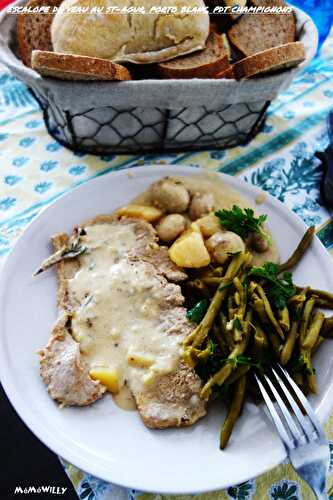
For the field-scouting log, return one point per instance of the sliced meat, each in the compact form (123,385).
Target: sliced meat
(64,372)
(159,258)
(135,265)
(174,401)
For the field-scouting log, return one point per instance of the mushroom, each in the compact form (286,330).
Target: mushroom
(223,244)
(201,204)
(170,227)
(258,242)
(170,195)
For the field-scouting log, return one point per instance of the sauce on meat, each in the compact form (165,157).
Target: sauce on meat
(117,317)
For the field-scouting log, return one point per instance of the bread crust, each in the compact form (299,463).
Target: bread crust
(73,67)
(204,64)
(33,31)
(271,60)
(227,73)
(257,32)
(134,38)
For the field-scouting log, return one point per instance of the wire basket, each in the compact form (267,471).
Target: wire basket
(153,115)
(111,129)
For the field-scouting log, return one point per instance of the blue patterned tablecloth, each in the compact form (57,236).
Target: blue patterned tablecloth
(35,170)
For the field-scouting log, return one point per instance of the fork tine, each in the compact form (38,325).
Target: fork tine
(297,412)
(306,405)
(294,430)
(275,416)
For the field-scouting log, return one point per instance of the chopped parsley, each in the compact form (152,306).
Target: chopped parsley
(243,360)
(279,290)
(243,222)
(198,311)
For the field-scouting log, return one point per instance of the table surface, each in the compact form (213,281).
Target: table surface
(27,461)
(35,170)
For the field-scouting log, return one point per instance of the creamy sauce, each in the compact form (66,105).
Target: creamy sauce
(224,197)
(124,399)
(261,198)
(117,320)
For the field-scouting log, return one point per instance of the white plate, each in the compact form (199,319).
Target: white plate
(104,440)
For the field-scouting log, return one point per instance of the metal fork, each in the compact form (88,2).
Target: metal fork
(301,434)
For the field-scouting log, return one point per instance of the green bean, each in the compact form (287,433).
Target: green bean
(299,298)
(237,299)
(260,343)
(227,333)
(192,355)
(220,377)
(313,332)
(299,251)
(323,303)
(237,262)
(218,271)
(326,297)
(284,319)
(269,311)
(210,272)
(309,373)
(220,339)
(252,288)
(237,315)
(212,281)
(318,343)
(237,328)
(230,307)
(307,311)
(259,307)
(236,374)
(234,411)
(289,345)
(242,296)
(307,343)
(327,329)
(200,333)
(298,378)
(254,392)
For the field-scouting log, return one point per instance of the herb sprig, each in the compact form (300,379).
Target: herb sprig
(279,290)
(243,222)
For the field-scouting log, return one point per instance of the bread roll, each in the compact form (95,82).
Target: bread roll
(137,38)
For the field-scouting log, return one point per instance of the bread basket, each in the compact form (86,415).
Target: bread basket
(152,115)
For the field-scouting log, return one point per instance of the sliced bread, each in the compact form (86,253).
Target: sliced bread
(205,63)
(270,60)
(257,32)
(33,30)
(73,67)
(227,73)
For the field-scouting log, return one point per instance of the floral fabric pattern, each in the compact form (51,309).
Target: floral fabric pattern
(36,170)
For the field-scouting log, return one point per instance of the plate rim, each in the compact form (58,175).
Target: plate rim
(9,387)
